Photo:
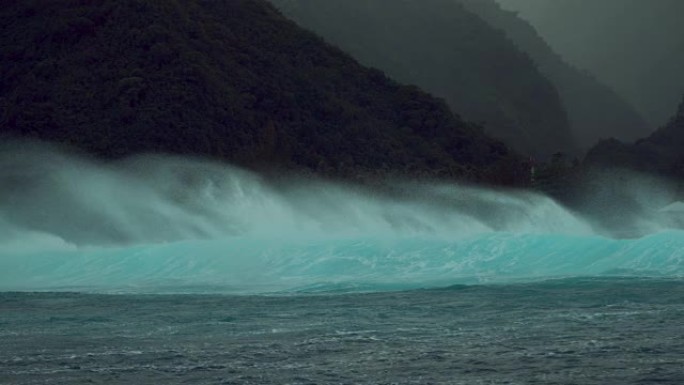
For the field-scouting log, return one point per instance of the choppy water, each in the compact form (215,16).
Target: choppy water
(576,331)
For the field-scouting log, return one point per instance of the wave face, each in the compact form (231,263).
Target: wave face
(162,224)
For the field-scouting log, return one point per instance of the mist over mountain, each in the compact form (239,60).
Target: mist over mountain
(660,153)
(450,52)
(230,80)
(635,46)
(594,109)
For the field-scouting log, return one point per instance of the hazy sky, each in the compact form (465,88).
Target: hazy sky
(635,46)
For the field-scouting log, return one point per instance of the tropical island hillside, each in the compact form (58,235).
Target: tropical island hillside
(230,80)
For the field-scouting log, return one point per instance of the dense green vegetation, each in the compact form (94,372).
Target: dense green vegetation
(595,111)
(452,53)
(232,80)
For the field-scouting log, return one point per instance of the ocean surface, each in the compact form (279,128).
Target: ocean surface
(566,331)
(177,271)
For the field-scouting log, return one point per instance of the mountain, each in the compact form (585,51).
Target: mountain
(594,109)
(660,153)
(634,46)
(450,52)
(232,80)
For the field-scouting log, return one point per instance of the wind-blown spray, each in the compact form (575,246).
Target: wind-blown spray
(162,223)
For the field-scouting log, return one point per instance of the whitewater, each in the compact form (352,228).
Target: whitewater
(161,224)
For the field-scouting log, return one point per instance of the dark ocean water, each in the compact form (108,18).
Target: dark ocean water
(570,331)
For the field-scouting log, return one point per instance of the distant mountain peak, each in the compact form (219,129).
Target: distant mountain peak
(442,47)
(595,111)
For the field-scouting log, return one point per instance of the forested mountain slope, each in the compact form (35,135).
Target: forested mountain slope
(232,80)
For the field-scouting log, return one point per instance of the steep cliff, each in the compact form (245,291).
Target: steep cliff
(634,46)
(594,109)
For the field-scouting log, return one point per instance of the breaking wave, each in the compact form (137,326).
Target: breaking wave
(164,224)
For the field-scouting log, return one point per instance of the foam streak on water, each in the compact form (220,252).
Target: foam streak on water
(157,224)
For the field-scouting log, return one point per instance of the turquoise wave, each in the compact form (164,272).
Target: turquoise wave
(257,265)
(162,224)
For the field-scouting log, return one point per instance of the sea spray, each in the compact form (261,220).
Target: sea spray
(158,223)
